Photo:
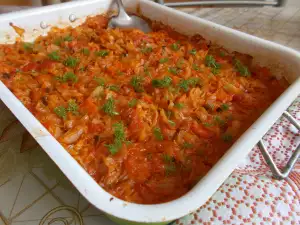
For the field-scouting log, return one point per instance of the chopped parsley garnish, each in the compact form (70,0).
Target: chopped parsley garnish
(109,107)
(162,83)
(170,166)
(71,62)
(86,51)
(187,145)
(243,70)
(222,54)
(172,123)
(119,138)
(190,82)
(215,71)
(211,62)
(175,46)
(195,67)
(54,56)
(132,103)
(137,83)
(147,72)
(100,81)
(173,70)
(158,134)
(102,53)
(163,60)
(179,105)
(28,46)
(72,107)
(68,38)
(146,50)
(193,51)
(224,107)
(114,88)
(227,137)
(219,120)
(208,124)
(58,41)
(69,76)
(61,112)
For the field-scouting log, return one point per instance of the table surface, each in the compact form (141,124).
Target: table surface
(30,183)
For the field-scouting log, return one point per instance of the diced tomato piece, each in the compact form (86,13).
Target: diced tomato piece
(30,66)
(89,106)
(200,131)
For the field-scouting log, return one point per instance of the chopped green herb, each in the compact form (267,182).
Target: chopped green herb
(222,54)
(146,50)
(68,38)
(147,72)
(187,145)
(193,51)
(72,106)
(86,51)
(190,82)
(82,69)
(119,138)
(175,46)
(114,88)
(224,107)
(109,107)
(219,120)
(208,124)
(162,83)
(179,105)
(132,103)
(157,133)
(100,81)
(61,112)
(227,137)
(69,76)
(28,46)
(102,53)
(195,67)
(211,62)
(137,83)
(163,60)
(180,63)
(54,56)
(170,168)
(71,62)
(173,70)
(167,158)
(243,70)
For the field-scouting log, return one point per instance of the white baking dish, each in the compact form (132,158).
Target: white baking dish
(284,61)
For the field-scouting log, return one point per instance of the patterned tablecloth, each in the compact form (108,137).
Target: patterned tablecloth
(33,191)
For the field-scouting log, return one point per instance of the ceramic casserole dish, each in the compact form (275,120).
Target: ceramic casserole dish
(284,62)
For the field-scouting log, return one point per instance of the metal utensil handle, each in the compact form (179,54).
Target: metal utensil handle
(225,3)
(277,174)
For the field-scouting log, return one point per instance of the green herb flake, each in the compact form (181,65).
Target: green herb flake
(195,67)
(146,50)
(190,82)
(109,107)
(132,103)
(163,60)
(215,71)
(243,70)
(162,83)
(119,138)
(211,62)
(179,105)
(175,46)
(102,53)
(71,62)
(158,134)
(222,54)
(167,158)
(227,137)
(173,70)
(219,121)
(193,51)
(224,107)
(187,145)
(72,107)
(137,83)
(172,123)
(147,72)
(69,76)
(61,112)
(208,124)
(28,47)
(68,38)
(86,51)
(100,81)
(54,56)
(114,88)
(58,41)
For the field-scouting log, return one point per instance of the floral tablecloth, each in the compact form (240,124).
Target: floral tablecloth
(33,191)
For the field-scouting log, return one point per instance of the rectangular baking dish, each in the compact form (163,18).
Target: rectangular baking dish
(284,62)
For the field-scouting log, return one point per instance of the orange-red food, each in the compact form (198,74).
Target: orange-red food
(147,115)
